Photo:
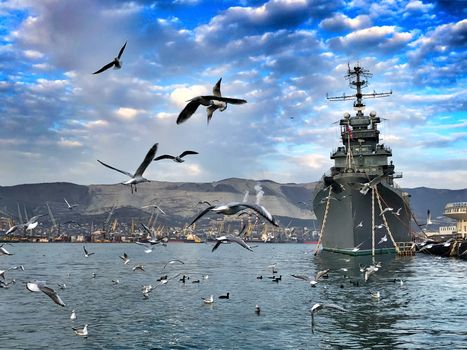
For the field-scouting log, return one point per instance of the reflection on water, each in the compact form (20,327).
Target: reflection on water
(428,310)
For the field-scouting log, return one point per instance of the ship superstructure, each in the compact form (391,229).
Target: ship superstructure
(357,204)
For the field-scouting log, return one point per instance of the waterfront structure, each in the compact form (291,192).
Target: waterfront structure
(359,207)
(458,212)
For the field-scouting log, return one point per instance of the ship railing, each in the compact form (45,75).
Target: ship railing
(406,248)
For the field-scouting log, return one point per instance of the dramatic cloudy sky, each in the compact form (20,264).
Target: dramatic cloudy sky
(283,56)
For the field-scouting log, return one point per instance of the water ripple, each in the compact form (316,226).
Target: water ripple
(428,308)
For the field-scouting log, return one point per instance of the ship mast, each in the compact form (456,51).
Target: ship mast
(356,78)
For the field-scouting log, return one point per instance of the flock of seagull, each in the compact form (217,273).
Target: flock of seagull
(40,286)
(212,103)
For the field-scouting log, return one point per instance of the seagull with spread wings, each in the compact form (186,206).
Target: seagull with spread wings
(212,102)
(234,208)
(30,225)
(40,286)
(70,206)
(317,307)
(116,63)
(177,159)
(137,177)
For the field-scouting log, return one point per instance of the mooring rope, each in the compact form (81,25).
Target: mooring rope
(324,220)
(385,221)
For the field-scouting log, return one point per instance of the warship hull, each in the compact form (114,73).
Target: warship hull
(350,218)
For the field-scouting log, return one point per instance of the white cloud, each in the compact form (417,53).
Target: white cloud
(33,54)
(181,95)
(341,22)
(69,143)
(127,113)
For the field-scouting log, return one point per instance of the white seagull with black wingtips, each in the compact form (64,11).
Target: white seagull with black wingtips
(212,102)
(137,177)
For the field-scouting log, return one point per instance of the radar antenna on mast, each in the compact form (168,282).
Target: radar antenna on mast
(358,79)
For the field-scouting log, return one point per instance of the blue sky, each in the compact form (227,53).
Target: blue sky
(282,56)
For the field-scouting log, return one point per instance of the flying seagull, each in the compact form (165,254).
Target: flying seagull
(86,253)
(138,267)
(177,159)
(3,251)
(366,186)
(125,258)
(137,177)
(155,206)
(234,208)
(116,63)
(173,262)
(398,211)
(39,286)
(385,210)
(30,225)
(148,247)
(154,239)
(313,281)
(212,102)
(380,226)
(231,238)
(317,307)
(70,206)
(383,239)
(357,247)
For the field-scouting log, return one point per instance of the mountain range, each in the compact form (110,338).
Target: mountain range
(180,200)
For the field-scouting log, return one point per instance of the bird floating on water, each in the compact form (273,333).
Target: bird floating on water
(82,332)
(116,63)
(212,102)
(209,300)
(257,310)
(137,177)
(73,315)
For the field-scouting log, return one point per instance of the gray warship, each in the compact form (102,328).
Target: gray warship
(359,208)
